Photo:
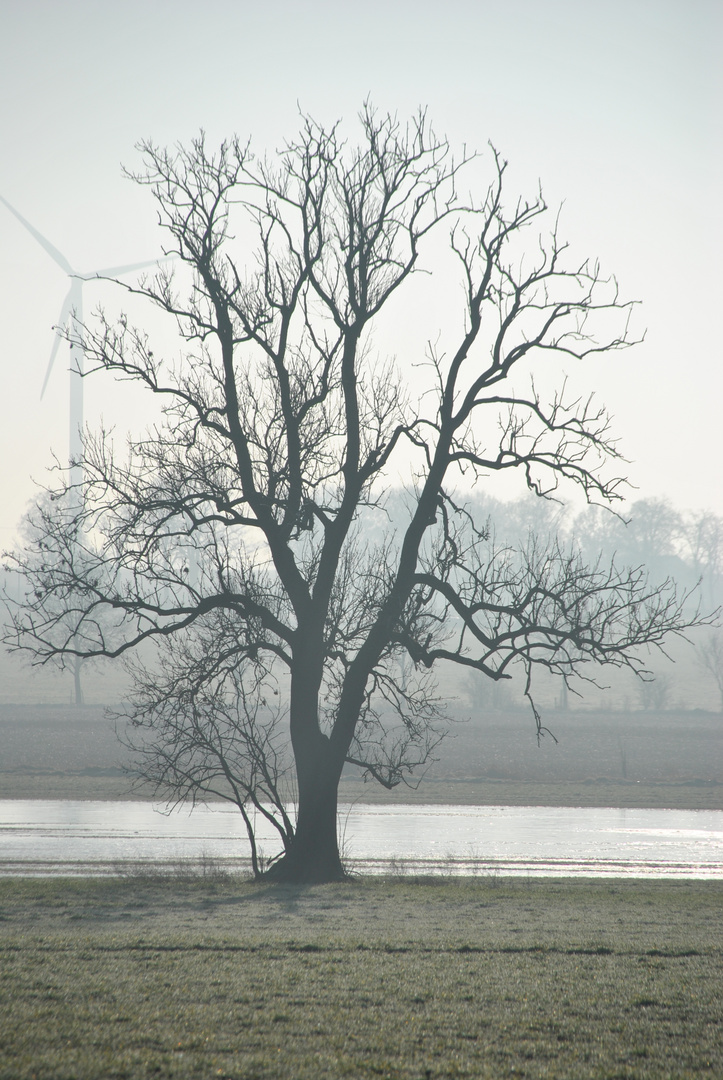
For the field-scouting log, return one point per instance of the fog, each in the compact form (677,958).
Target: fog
(614,107)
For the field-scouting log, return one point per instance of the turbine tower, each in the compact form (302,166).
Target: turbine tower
(72,305)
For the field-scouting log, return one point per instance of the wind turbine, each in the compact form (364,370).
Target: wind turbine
(73,304)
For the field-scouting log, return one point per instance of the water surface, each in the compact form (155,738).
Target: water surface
(65,836)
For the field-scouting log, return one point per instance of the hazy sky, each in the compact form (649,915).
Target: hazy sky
(616,106)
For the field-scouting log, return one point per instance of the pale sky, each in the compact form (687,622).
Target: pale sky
(615,106)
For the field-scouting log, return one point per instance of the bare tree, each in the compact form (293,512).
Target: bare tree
(281,434)
(654,692)
(704,537)
(201,726)
(651,532)
(710,657)
(36,587)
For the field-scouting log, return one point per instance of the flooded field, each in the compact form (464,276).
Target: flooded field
(103,837)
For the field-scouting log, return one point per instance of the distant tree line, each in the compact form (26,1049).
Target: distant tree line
(684,545)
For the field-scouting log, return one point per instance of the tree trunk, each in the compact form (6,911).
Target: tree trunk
(313,855)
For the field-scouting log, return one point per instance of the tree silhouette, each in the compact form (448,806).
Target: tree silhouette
(246,534)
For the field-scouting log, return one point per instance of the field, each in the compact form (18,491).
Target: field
(395,978)
(484,977)
(660,760)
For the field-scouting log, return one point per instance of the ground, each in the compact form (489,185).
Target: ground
(400,979)
(486,977)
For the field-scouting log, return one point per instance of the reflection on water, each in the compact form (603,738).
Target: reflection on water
(56,836)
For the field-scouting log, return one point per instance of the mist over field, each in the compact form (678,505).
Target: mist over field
(664,729)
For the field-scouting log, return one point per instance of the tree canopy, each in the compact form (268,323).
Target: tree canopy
(245,536)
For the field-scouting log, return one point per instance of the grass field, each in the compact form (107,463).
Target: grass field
(375,978)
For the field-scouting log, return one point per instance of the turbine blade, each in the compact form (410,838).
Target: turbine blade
(60,325)
(116,271)
(53,252)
